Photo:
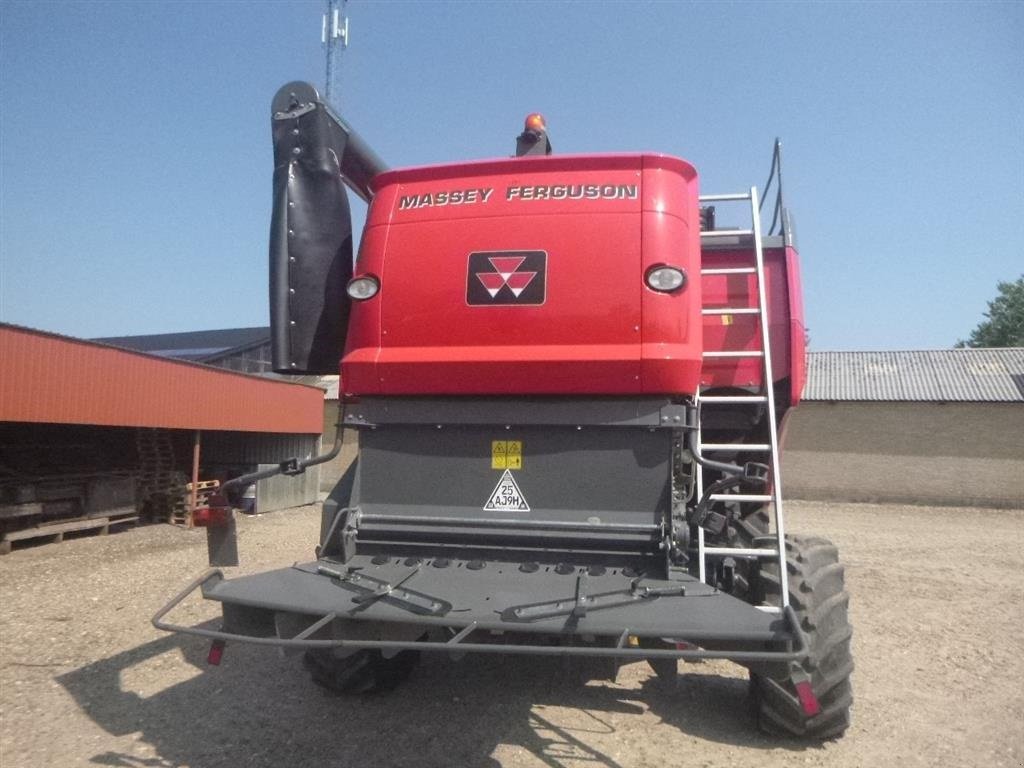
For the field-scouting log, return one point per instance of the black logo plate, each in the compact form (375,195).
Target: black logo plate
(506,277)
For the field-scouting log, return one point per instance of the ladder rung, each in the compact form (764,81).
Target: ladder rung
(735,353)
(730,311)
(729,271)
(734,399)
(728,233)
(741,552)
(735,447)
(725,198)
(741,497)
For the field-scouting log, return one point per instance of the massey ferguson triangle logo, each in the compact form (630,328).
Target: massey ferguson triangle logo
(506,277)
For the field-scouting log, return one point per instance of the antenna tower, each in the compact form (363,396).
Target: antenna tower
(334,36)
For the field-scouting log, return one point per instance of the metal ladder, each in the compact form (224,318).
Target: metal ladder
(766,396)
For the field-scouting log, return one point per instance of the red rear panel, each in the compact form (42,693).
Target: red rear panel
(741,332)
(526,276)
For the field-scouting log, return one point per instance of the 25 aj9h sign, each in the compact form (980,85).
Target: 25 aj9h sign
(506,277)
(506,496)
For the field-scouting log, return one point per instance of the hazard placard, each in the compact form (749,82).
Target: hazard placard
(506,496)
(506,454)
(514,457)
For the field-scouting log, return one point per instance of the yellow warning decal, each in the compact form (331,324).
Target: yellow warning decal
(515,454)
(726,319)
(506,454)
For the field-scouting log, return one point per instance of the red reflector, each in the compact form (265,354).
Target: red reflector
(808,700)
(682,645)
(216,652)
(211,517)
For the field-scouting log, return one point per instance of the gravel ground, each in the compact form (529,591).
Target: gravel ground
(937,607)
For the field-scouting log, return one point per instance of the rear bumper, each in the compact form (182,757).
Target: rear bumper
(495,608)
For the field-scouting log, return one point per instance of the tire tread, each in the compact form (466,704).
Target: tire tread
(819,598)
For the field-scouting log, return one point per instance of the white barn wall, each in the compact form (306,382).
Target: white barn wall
(965,454)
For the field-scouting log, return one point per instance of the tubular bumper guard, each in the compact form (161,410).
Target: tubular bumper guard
(785,627)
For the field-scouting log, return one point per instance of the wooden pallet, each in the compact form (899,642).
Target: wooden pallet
(203,487)
(57,530)
(181,514)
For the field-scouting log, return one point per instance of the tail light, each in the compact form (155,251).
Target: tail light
(665,279)
(216,653)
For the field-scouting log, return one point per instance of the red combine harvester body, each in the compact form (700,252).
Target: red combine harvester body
(567,385)
(604,221)
(581,231)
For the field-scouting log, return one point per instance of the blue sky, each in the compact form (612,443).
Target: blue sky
(136,161)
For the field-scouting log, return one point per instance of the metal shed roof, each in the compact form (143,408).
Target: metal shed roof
(192,345)
(940,375)
(47,378)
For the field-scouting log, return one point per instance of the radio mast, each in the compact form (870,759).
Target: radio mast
(334,36)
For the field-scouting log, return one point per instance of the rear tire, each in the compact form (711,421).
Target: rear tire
(666,669)
(365,671)
(818,596)
(742,533)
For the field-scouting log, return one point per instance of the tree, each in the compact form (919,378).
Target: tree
(1004,326)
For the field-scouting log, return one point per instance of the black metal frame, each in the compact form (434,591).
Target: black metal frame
(304,640)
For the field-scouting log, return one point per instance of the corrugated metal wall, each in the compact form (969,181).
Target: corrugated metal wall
(283,492)
(256,448)
(59,380)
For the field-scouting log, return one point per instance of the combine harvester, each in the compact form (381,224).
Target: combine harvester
(567,386)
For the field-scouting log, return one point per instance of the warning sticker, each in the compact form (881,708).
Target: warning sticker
(506,454)
(506,496)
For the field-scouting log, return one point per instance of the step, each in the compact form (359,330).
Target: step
(735,447)
(741,497)
(727,233)
(730,311)
(734,353)
(713,399)
(729,271)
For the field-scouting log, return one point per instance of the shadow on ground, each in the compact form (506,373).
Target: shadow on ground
(260,709)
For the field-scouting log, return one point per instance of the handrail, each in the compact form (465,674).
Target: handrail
(774,174)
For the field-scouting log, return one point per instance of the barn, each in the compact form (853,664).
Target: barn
(927,427)
(93,435)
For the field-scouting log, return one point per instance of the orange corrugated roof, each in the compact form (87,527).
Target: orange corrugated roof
(45,377)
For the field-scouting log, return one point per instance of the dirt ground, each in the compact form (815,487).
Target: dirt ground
(937,607)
